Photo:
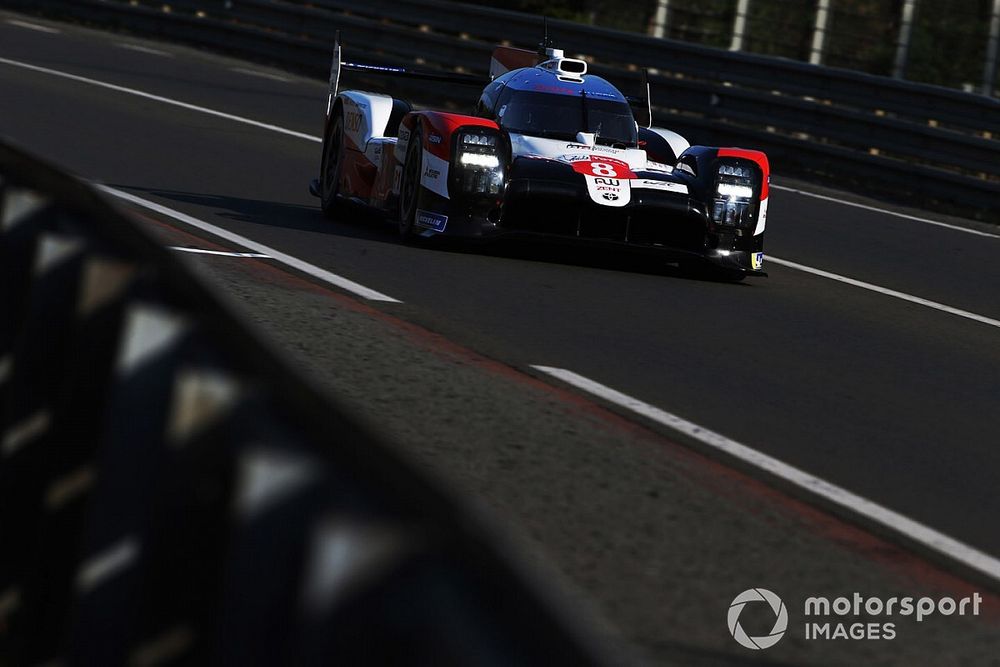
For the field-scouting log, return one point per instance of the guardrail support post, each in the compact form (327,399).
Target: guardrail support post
(903,45)
(658,28)
(990,67)
(740,27)
(819,32)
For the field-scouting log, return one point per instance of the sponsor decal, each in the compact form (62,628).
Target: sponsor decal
(402,144)
(431,220)
(434,175)
(608,191)
(434,138)
(659,166)
(397,177)
(756,260)
(549,88)
(353,121)
(374,152)
(599,149)
(666,186)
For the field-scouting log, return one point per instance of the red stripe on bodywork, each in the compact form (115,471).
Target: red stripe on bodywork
(444,125)
(757,157)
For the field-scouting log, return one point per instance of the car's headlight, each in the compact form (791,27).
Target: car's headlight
(733,203)
(477,158)
(469,139)
(731,190)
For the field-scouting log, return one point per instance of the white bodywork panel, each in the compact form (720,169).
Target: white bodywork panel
(556,149)
(434,174)
(607,182)
(366,116)
(678,144)
(761,217)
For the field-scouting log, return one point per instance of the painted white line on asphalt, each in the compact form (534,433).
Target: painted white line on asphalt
(886,291)
(859,506)
(143,49)
(221,253)
(33,26)
(876,209)
(164,100)
(293,262)
(263,75)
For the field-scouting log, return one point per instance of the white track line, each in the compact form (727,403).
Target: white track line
(33,26)
(857,505)
(905,216)
(263,75)
(143,49)
(294,262)
(221,253)
(164,100)
(886,291)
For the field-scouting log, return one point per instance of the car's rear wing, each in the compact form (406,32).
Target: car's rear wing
(338,66)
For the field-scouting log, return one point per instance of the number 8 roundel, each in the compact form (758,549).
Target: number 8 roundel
(603,167)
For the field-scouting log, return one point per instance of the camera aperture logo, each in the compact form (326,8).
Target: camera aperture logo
(780,618)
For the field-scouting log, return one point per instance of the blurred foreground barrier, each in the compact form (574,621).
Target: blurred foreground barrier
(917,144)
(171,493)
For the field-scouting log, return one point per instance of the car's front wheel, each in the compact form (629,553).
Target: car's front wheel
(409,187)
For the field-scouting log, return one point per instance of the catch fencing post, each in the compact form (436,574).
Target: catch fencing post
(740,25)
(990,67)
(819,32)
(659,27)
(903,45)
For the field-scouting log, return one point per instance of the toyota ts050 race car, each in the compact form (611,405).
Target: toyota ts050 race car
(549,150)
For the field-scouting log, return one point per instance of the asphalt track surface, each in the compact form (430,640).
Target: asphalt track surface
(894,401)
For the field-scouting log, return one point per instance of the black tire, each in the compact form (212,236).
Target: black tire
(333,159)
(409,186)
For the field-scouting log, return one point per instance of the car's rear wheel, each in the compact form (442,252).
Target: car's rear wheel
(409,187)
(333,160)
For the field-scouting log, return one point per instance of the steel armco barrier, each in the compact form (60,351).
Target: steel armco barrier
(914,143)
(171,494)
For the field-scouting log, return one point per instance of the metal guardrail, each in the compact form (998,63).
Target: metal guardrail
(171,493)
(919,144)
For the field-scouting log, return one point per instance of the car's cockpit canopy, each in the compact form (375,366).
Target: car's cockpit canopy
(537,102)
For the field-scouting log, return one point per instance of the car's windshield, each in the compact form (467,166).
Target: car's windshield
(562,116)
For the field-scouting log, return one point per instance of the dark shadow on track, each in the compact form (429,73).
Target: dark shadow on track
(357,223)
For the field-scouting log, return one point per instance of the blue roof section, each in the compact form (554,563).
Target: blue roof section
(546,81)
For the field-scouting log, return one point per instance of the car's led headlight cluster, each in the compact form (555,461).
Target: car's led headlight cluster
(480,169)
(734,188)
(479,139)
